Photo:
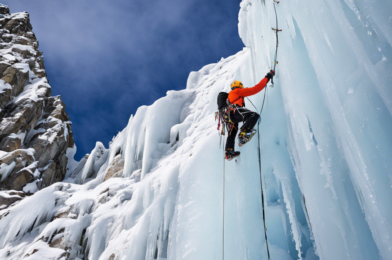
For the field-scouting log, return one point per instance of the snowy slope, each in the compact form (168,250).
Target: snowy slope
(157,191)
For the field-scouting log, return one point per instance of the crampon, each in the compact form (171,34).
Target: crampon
(245,136)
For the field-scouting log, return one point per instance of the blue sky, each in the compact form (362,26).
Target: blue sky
(107,58)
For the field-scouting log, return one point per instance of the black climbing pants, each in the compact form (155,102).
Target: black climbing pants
(240,114)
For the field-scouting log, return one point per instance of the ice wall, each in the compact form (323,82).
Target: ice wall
(335,78)
(157,192)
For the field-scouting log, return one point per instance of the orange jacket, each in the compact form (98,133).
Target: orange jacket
(236,96)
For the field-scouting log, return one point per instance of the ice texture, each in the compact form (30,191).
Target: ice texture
(325,156)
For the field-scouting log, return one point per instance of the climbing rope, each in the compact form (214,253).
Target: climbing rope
(258,148)
(223,223)
(258,130)
(262,195)
(277,39)
(261,178)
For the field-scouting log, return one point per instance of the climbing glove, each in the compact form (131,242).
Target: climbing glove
(270,74)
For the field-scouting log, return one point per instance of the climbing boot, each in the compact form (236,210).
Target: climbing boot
(245,136)
(231,154)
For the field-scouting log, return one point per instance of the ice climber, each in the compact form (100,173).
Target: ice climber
(236,112)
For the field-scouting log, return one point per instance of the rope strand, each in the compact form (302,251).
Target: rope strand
(277,40)
(262,193)
(258,137)
(223,223)
(259,152)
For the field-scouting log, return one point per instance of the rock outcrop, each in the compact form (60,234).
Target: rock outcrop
(35,130)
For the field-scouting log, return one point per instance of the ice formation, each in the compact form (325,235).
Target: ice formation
(156,193)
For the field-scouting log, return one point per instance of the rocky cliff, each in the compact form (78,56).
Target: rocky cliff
(35,131)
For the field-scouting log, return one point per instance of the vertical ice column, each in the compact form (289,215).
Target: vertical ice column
(338,112)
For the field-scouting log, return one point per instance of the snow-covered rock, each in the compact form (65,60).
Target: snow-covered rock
(35,131)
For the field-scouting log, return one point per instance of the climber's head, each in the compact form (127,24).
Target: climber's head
(236,84)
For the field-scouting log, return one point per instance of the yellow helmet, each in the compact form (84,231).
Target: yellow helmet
(236,84)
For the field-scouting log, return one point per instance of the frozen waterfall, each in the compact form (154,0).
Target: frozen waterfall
(157,191)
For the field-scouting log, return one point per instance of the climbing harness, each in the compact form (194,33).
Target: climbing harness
(223,116)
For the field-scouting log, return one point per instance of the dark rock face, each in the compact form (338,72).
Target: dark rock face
(35,130)
(9,197)
(4,9)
